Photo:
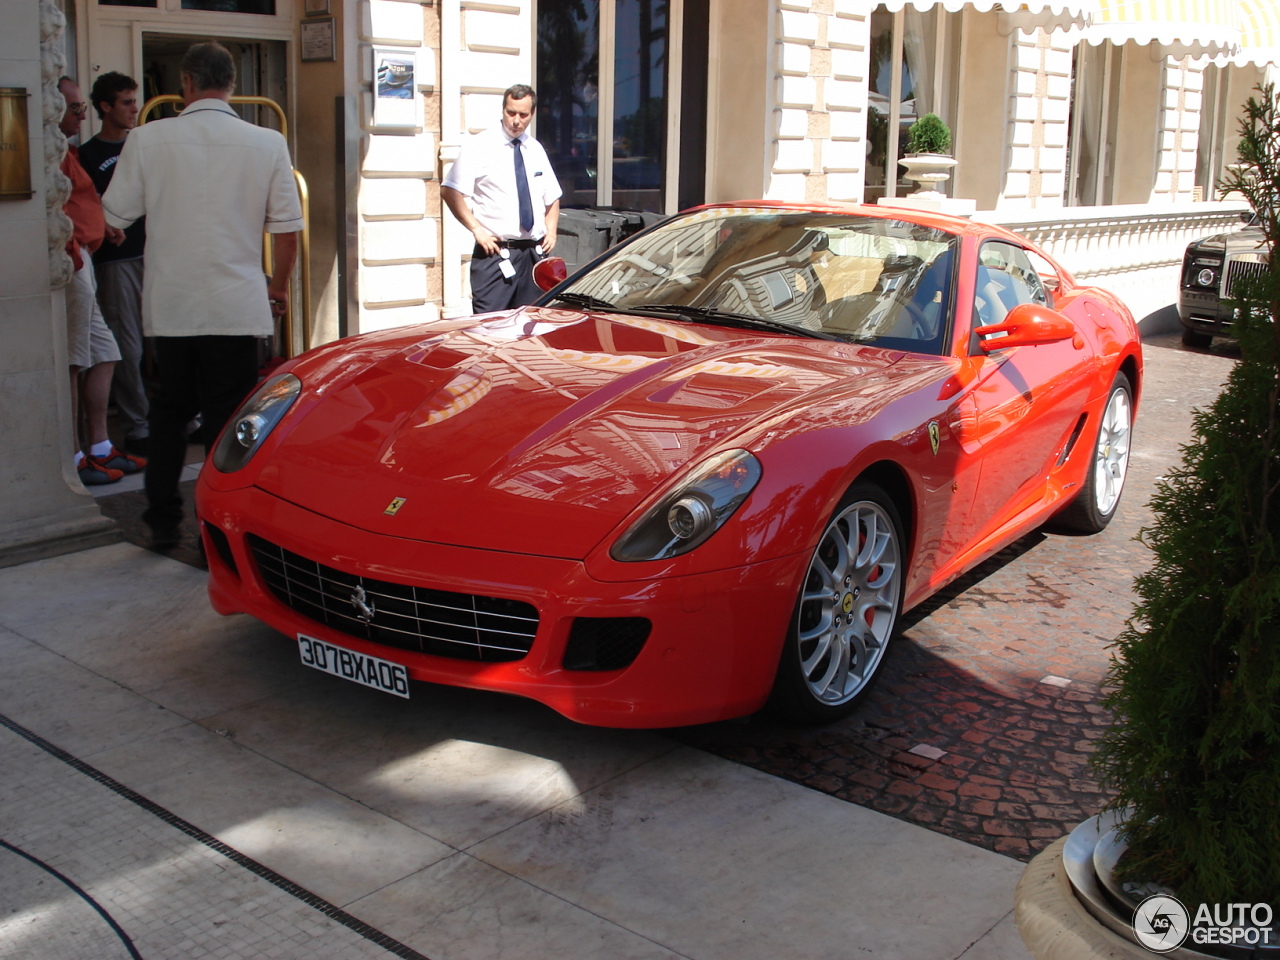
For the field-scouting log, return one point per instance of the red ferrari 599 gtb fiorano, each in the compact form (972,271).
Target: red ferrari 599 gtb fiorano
(705,474)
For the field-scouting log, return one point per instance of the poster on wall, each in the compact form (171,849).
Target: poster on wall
(396,101)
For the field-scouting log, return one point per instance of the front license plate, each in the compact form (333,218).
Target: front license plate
(349,665)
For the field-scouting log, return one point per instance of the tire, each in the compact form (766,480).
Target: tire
(1195,339)
(847,611)
(1095,504)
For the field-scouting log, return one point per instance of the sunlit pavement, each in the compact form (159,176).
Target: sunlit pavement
(174,784)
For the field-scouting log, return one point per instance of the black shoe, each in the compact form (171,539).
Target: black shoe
(165,536)
(166,532)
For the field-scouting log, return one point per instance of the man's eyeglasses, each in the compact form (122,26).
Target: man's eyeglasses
(79,109)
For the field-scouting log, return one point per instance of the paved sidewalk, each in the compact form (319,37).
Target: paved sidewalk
(176,785)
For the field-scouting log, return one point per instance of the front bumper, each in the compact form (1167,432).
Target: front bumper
(1204,312)
(711,653)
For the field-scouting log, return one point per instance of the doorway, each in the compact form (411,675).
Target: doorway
(260,72)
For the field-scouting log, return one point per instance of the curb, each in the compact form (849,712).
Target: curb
(1054,925)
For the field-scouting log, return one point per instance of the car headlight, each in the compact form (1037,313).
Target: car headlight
(1207,277)
(254,421)
(691,513)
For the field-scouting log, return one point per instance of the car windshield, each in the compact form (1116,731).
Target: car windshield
(827,275)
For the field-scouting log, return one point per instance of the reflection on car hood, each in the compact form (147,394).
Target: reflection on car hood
(1236,241)
(566,417)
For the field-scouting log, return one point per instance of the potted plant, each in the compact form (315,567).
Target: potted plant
(1194,752)
(928,160)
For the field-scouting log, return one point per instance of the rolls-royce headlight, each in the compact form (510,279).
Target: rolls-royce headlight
(1207,277)
(254,421)
(692,512)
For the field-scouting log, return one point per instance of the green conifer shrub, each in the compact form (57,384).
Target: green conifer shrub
(1194,684)
(928,135)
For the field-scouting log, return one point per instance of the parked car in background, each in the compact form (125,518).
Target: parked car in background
(1210,270)
(705,473)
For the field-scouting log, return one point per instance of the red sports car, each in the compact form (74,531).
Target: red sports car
(706,473)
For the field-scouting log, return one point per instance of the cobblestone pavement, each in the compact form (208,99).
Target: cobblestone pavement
(984,721)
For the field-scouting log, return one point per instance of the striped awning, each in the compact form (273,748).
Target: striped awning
(1181,27)
(1019,14)
(1259,33)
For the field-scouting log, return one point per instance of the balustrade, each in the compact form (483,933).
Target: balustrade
(1134,250)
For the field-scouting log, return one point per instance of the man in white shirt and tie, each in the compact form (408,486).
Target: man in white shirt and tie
(503,190)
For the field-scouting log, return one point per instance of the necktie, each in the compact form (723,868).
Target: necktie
(522,190)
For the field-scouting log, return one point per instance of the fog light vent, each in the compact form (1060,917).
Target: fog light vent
(605,643)
(222,547)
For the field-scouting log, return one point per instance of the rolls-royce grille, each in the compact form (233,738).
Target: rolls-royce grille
(459,625)
(1238,270)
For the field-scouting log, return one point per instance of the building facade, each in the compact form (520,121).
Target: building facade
(1097,127)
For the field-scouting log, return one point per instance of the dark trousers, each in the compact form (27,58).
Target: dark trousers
(205,375)
(490,290)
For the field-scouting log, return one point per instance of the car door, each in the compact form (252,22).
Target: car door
(1027,399)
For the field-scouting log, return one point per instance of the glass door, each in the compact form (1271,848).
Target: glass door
(260,72)
(603,99)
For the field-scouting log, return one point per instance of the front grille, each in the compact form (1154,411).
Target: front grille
(605,643)
(1238,270)
(458,625)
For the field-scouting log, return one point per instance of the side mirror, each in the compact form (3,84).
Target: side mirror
(1027,325)
(549,272)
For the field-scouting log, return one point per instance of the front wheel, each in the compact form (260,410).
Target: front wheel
(847,611)
(1095,504)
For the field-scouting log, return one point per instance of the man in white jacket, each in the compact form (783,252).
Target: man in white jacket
(209,184)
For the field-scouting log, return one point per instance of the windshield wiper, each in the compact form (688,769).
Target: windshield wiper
(585,300)
(729,319)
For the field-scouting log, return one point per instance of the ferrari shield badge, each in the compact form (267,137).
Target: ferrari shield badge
(935,436)
(394,506)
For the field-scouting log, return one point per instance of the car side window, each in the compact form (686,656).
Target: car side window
(1006,278)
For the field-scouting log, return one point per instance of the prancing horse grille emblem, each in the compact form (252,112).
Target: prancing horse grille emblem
(364,611)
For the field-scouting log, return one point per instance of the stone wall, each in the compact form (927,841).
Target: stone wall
(818,134)
(43,508)
(398,189)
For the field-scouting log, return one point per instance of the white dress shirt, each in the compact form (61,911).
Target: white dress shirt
(485,174)
(208,183)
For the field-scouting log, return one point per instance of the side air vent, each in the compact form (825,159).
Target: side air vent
(1071,441)
(605,643)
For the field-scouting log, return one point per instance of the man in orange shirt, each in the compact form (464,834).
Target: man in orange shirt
(91,349)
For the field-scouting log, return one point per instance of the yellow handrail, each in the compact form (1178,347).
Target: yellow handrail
(304,244)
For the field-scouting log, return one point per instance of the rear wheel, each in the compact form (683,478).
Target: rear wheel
(1193,338)
(847,611)
(1095,504)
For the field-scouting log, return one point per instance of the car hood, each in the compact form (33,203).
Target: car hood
(1242,240)
(536,431)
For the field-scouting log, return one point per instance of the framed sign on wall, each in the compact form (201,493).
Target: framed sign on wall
(15,147)
(317,37)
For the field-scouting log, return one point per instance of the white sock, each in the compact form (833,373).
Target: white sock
(100,449)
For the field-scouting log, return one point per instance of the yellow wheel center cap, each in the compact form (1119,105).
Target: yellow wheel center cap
(847,605)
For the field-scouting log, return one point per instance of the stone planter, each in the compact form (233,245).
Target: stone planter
(928,170)
(1068,905)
